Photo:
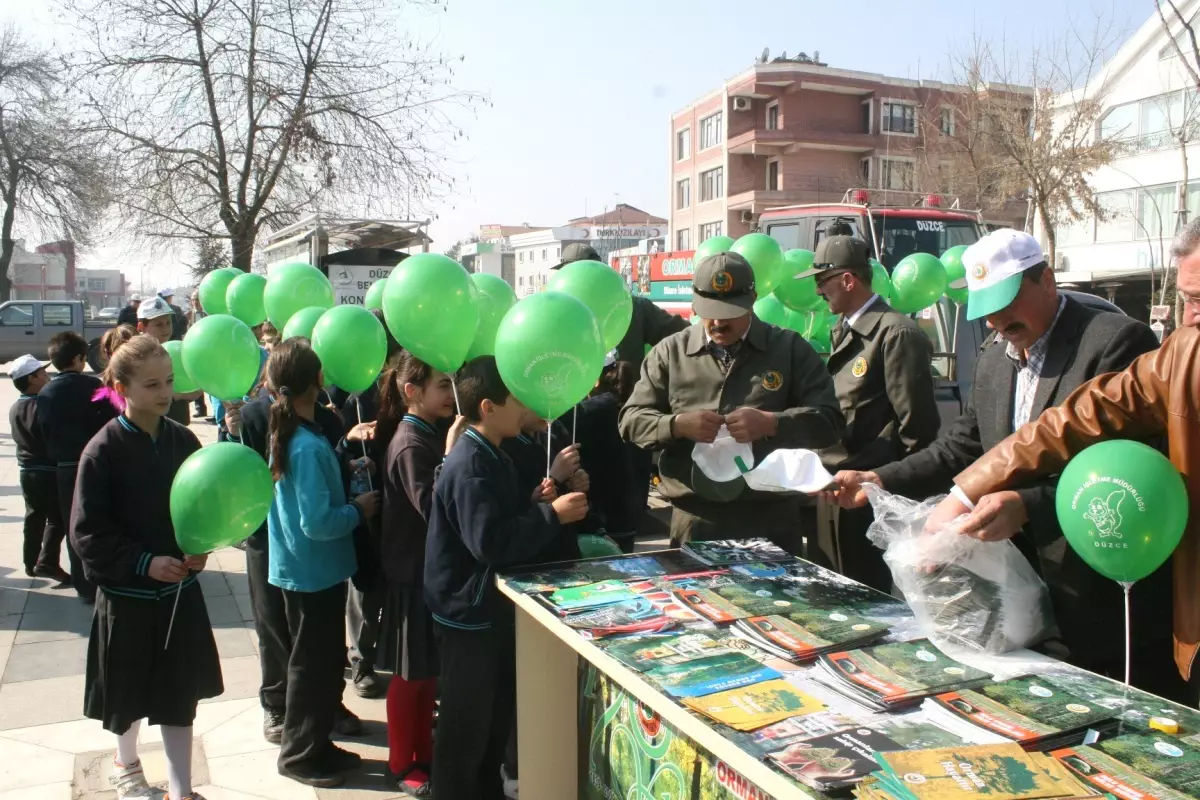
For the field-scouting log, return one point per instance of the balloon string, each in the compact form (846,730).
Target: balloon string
(174,608)
(1127,585)
(363,442)
(574,421)
(454,388)
(548,442)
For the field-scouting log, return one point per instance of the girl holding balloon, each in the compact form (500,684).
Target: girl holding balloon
(310,527)
(124,535)
(414,401)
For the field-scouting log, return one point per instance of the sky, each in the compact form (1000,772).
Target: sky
(582,92)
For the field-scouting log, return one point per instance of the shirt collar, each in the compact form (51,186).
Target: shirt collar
(853,318)
(1039,347)
(481,441)
(418,423)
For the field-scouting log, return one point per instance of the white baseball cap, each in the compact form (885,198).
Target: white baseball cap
(25,365)
(153,307)
(166,291)
(994,266)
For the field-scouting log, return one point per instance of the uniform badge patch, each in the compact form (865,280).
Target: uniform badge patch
(859,367)
(772,380)
(721,281)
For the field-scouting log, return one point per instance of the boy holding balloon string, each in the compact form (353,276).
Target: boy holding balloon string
(124,535)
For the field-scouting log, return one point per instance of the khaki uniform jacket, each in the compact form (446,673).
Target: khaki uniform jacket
(1158,393)
(648,326)
(775,370)
(883,377)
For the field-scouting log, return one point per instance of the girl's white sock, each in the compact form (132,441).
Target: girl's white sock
(127,750)
(177,742)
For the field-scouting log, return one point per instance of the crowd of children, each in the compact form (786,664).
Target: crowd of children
(463,482)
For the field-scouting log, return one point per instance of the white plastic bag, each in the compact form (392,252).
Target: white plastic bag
(983,596)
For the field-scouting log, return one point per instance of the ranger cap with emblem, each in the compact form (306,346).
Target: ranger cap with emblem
(838,253)
(723,287)
(994,266)
(577,251)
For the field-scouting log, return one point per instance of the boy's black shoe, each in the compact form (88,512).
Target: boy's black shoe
(314,772)
(367,684)
(341,759)
(53,573)
(345,723)
(273,726)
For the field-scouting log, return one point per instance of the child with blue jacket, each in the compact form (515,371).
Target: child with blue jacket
(481,522)
(310,527)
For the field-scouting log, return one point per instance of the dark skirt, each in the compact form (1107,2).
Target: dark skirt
(406,645)
(129,674)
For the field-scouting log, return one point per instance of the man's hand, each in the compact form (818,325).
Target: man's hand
(456,430)
(196,563)
(233,419)
(545,492)
(167,569)
(751,424)
(699,426)
(570,507)
(565,463)
(946,512)
(996,517)
(579,482)
(362,432)
(848,488)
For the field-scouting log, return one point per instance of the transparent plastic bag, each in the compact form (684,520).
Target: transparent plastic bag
(982,596)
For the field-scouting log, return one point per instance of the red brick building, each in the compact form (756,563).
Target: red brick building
(792,131)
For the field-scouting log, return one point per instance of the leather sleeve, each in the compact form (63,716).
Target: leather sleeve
(1129,404)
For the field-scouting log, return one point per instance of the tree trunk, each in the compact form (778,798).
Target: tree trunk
(242,244)
(1051,237)
(7,245)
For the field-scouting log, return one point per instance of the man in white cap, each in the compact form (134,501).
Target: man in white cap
(128,315)
(179,323)
(1044,346)
(156,318)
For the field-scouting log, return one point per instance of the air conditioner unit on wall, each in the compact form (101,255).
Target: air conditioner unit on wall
(741,104)
(747,217)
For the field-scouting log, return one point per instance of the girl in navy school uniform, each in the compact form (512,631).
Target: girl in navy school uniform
(414,401)
(122,530)
(311,553)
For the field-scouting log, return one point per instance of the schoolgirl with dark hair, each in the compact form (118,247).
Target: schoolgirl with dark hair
(311,558)
(123,533)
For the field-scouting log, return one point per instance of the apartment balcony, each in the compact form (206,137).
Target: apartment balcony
(764,142)
(758,200)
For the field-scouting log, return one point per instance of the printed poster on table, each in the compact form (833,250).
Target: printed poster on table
(626,750)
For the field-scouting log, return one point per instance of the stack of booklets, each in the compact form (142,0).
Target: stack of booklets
(755,706)
(804,634)
(647,651)
(591,595)
(1137,766)
(1032,711)
(637,615)
(579,573)
(995,772)
(842,758)
(710,674)
(723,552)
(887,677)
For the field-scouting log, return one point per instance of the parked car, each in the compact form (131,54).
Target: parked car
(26,326)
(108,314)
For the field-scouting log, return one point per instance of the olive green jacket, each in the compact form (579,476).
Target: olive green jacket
(883,376)
(775,371)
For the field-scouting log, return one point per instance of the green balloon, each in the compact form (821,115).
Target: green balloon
(764,256)
(291,287)
(917,283)
(302,322)
(220,495)
(493,297)
(602,289)
(799,294)
(352,346)
(549,352)
(221,355)
(1123,507)
(711,246)
(183,382)
(822,343)
(820,325)
(956,273)
(430,308)
(881,282)
(593,546)
(244,298)
(213,288)
(374,298)
(771,310)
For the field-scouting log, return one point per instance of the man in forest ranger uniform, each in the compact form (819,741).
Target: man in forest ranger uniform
(881,364)
(765,384)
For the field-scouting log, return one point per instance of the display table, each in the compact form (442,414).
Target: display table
(549,678)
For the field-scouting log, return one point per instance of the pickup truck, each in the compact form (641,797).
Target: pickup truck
(26,326)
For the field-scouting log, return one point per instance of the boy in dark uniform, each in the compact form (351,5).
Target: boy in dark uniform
(71,413)
(44,530)
(480,522)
